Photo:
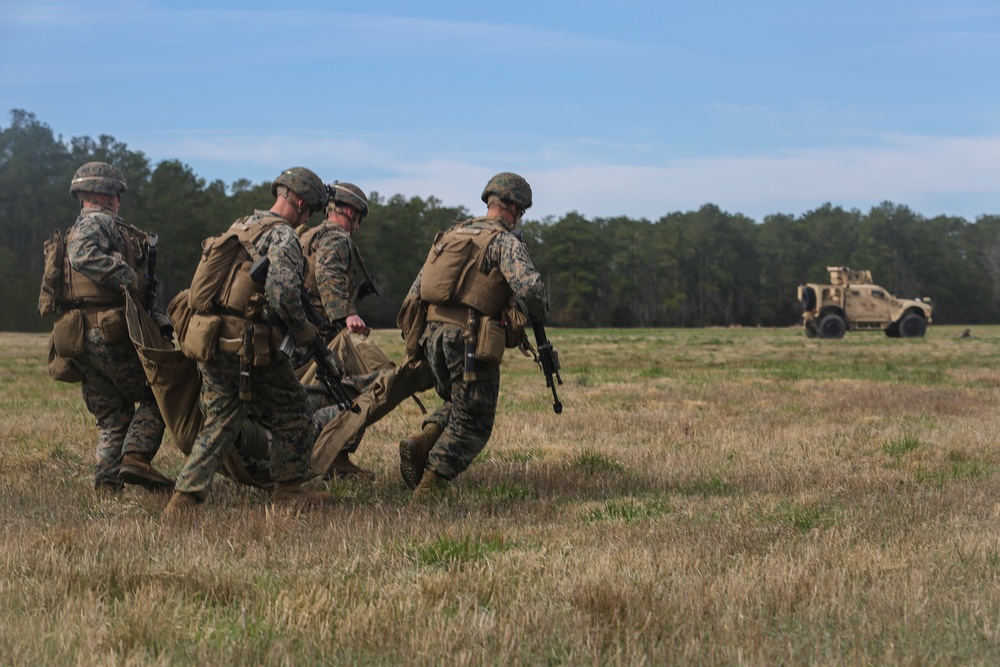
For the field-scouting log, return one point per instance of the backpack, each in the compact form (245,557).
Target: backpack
(222,256)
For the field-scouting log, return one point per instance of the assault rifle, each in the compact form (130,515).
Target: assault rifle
(153,284)
(327,370)
(368,288)
(548,359)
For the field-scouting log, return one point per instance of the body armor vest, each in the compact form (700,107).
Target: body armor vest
(355,269)
(454,271)
(79,290)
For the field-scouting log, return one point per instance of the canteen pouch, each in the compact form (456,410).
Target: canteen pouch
(202,339)
(67,334)
(492,341)
(62,369)
(112,325)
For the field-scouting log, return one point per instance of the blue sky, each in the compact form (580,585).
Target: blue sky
(626,107)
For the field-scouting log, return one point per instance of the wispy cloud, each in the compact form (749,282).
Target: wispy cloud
(912,170)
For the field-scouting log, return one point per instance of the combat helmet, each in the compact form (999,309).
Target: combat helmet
(350,194)
(99,177)
(509,187)
(306,184)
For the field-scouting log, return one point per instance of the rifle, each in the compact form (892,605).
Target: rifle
(152,282)
(368,288)
(548,360)
(152,285)
(327,370)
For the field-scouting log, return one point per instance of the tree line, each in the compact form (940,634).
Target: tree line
(686,269)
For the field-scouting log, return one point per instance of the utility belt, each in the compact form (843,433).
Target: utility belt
(71,326)
(488,334)
(209,333)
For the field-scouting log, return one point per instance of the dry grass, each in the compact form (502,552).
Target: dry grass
(707,497)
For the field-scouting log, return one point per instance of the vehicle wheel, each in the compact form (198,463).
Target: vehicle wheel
(892,331)
(832,326)
(912,326)
(808,299)
(810,328)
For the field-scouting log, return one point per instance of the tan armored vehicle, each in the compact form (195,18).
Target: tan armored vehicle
(851,301)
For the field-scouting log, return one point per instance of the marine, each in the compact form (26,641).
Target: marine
(102,258)
(452,320)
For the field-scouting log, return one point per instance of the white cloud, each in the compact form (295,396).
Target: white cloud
(904,169)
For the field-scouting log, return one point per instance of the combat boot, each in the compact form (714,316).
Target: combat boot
(292,492)
(343,468)
(413,453)
(137,469)
(431,486)
(181,507)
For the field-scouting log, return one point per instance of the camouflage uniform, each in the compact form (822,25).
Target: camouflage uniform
(469,407)
(335,273)
(114,381)
(276,394)
(333,261)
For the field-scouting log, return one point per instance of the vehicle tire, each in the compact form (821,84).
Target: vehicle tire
(810,328)
(832,326)
(892,331)
(912,326)
(808,299)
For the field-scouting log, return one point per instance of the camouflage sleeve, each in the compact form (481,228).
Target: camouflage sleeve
(283,287)
(333,264)
(95,251)
(521,275)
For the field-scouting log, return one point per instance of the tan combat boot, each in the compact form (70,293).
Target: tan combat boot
(292,492)
(343,468)
(182,507)
(431,486)
(137,469)
(413,453)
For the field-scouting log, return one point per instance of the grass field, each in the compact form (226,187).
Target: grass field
(713,496)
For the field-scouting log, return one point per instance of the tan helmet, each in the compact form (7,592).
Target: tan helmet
(509,187)
(99,177)
(306,184)
(350,194)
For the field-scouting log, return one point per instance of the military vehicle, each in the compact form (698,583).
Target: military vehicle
(853,302)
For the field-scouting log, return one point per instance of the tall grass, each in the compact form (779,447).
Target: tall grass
(718,496)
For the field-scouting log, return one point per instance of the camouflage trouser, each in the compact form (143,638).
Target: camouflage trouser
(469,408)
(113,382)
(276,396)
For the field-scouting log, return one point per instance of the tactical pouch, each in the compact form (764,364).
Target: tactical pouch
(202,338)
(52,275)
(262,355)
(516,322)
(237,294)
(179,311)
(491,341)
(112,324)
(411,320)
(67,334)
(62,369)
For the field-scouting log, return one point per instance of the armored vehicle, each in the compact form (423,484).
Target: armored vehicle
(852,302)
